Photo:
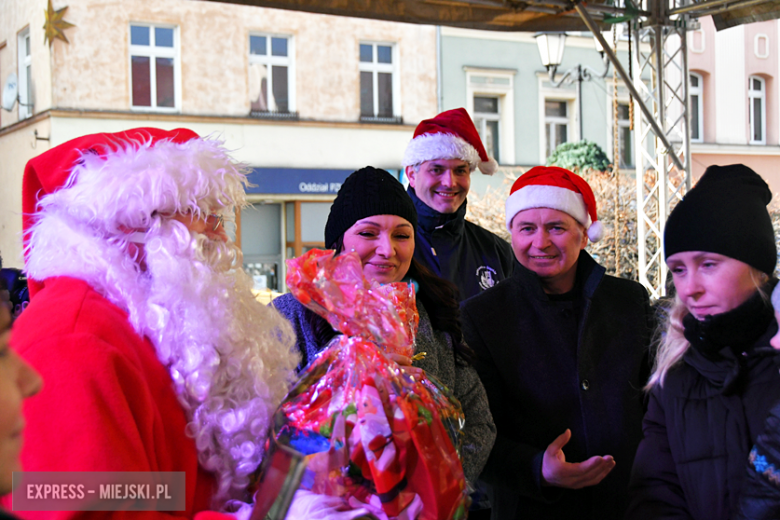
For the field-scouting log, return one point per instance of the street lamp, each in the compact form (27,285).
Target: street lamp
(551,46)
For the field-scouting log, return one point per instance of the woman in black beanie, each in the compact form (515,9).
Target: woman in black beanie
(374,217)
(715,375)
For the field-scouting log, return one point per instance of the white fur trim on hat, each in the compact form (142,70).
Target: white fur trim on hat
(430,147)
(114,197)
(543,196)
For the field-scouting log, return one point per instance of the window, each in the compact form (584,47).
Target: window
(697,112)
(490,102)
(487,119)
(25,96)
(154,67)
(261,244)
(556,124)
(271,77)
(378,79)
(757,100)
(625,138)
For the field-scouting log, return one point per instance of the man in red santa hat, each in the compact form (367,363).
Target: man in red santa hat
(154,353)
(439,161)
(561,348)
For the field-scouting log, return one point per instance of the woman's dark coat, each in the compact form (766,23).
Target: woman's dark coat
(698,431)
(552,365)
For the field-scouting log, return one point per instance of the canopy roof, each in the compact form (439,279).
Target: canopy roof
(515,15)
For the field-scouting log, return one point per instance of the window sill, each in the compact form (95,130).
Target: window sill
(396,120)
(292,116)
(156,110)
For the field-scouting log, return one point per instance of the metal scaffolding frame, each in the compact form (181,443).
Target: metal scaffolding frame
(663,177)
(661,133)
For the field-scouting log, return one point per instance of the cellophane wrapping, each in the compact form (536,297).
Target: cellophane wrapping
(372,433)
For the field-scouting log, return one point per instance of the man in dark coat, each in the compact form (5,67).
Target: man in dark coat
(439,161)
(562,352)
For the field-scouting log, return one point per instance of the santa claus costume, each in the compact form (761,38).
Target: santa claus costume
(154,354)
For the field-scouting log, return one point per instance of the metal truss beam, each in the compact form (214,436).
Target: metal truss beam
(661,134)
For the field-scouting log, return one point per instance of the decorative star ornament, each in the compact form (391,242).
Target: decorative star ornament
(55,25)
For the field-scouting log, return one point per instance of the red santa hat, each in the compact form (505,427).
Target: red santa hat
(449,135)
(113,183)
(555,188)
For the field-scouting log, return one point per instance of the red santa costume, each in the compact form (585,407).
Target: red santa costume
(154,354)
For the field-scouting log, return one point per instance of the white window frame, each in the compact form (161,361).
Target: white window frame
(626,123)
(567,93)
(752,96)
(25,96)
(269,61)
(699,92)
(375,68)
(483,82)
(556,121)
(153,52)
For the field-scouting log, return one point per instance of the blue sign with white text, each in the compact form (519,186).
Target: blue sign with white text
(297,181)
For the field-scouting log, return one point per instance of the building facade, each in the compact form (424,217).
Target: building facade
(735,97)
(303,99)
(522,116)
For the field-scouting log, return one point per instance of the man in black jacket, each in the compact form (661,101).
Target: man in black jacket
(439,161)
(561,350)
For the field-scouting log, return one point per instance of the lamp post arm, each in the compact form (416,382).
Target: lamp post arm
(589,73)
(569,76)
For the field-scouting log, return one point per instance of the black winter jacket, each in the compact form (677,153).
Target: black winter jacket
(472,258)
(551,365)
(699,428)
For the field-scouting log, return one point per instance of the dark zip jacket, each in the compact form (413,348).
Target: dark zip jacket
(471,257)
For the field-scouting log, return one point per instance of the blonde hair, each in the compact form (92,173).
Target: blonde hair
(670,340)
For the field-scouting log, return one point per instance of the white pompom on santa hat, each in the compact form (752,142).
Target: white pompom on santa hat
(555,188)
(449,135)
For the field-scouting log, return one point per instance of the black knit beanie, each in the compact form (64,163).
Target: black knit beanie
(367,192)
(725,213)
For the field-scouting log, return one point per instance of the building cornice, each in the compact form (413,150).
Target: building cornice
(197,118)
(734,149)
(24,123)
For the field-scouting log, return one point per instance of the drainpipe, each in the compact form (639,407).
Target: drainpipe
(438,70)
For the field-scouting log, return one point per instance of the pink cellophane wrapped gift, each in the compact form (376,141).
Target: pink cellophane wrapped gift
(370,432)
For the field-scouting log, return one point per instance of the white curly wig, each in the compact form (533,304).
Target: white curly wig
(230,357)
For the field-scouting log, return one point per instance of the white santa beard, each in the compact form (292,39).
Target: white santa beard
(230,357)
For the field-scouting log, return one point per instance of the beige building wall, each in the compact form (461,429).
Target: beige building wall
(15,17)
(90,88)
(93,72)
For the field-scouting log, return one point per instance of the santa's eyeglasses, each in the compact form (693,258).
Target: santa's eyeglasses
(219,220)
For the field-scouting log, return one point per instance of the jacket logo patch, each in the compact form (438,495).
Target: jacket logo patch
(486,276)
